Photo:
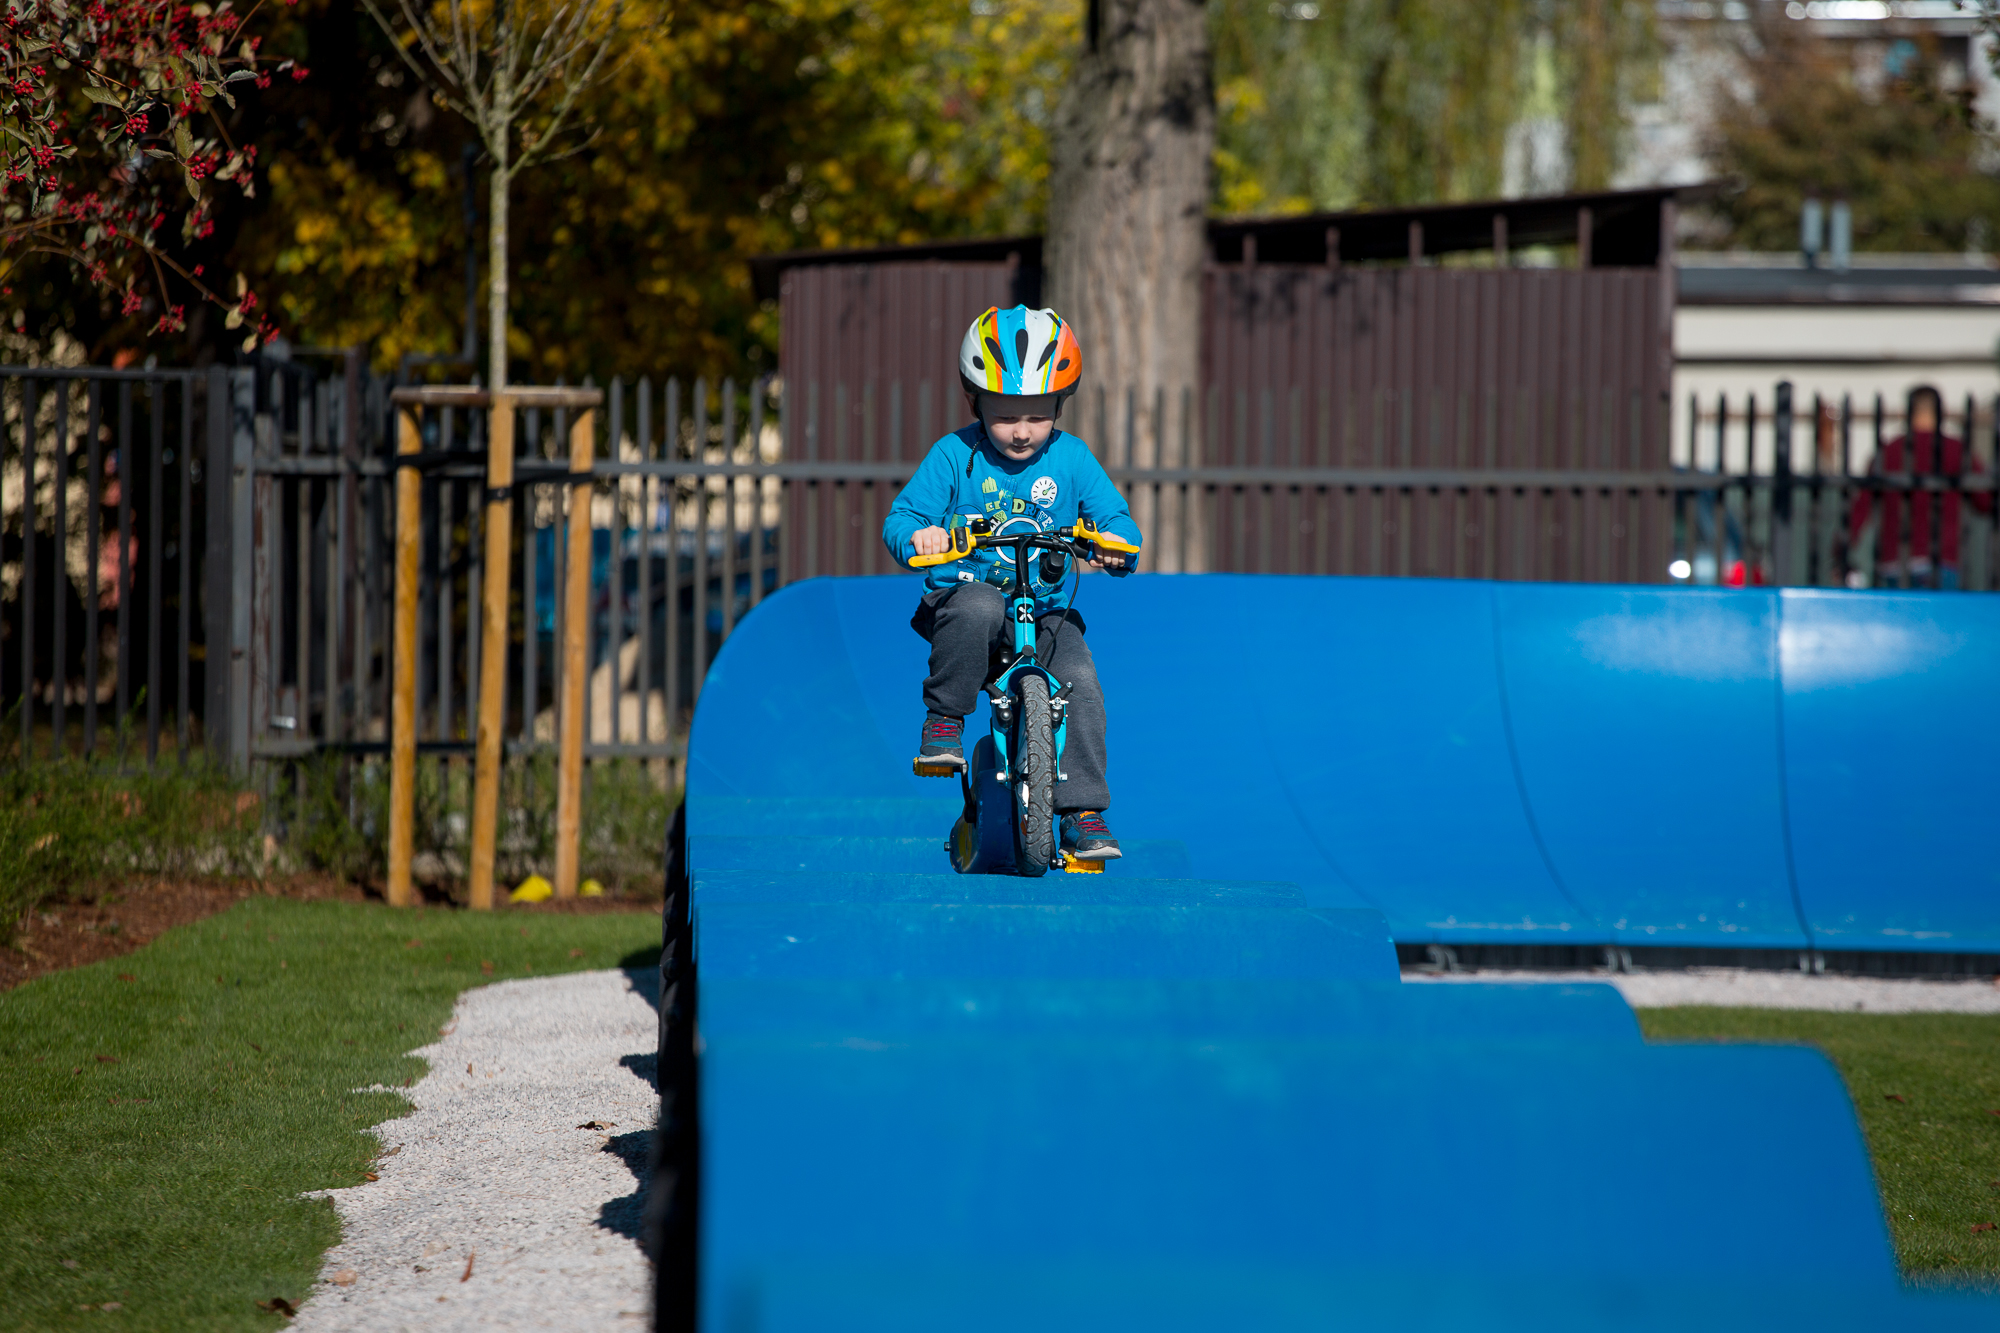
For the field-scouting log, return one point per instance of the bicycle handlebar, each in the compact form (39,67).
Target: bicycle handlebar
(1076,540)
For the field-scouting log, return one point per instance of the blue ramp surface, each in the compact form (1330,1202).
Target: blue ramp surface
(1363,1165)
(1531,764)
(1192,1092)
(1889,725)
(1626,703)
(853,941)
(849,886)
(1142,859)
(1382,1013)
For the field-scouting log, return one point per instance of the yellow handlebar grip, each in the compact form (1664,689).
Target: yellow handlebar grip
(963,543)
(1087,531)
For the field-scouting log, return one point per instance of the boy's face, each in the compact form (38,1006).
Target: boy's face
(1018,426)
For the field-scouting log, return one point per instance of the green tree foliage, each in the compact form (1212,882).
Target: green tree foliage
(1906,152)
(737,128)
(1352,103)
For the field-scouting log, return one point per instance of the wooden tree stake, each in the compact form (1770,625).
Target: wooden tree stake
(403,683)
(494,587)
(571,717)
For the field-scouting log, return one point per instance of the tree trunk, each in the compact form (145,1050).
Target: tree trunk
(496,269)
(1128,199)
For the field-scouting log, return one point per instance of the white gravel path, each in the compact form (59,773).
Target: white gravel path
(1767,990)
(492,1169)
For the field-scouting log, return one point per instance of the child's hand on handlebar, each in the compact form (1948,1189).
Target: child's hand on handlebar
(1102,559)
(931,541)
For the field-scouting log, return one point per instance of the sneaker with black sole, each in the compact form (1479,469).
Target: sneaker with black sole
(941,752)
(1087,837)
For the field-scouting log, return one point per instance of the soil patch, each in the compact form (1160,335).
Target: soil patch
(114,921)
(71,932)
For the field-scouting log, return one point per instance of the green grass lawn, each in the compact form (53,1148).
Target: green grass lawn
(161,1113)
(1936,1150)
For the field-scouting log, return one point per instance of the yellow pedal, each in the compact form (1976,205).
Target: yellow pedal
(1076,867)
(924,770)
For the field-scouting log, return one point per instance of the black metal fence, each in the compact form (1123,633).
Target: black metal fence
(203,557)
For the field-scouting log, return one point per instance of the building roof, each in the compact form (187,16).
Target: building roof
(1620,227)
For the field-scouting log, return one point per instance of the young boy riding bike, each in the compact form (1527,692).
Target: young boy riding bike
(1013,467)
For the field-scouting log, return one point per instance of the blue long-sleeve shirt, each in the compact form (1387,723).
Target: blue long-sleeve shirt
(1051,490)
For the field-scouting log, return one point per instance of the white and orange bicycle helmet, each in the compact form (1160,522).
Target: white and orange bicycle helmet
(1020,353)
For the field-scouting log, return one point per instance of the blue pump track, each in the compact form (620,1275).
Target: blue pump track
(1192,1092)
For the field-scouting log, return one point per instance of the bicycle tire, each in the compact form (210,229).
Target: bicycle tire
(1033,788)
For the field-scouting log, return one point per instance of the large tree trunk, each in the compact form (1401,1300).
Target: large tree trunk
(1128,196)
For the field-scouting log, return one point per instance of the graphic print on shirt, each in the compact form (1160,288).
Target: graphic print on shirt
(1011,514)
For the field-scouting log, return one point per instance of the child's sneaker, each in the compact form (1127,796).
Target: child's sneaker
(941,753)
(1087,837)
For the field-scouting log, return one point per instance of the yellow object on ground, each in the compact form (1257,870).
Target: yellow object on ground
(590,888)
(533,889)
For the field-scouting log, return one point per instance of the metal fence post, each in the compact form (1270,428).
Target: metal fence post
(1784,560)
(232,399)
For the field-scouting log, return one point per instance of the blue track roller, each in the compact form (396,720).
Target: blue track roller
(1142,859)
(1889,725)
(1323,1167)
(918,940)
(1383,1013)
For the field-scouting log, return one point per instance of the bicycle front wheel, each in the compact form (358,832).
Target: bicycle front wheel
(1034,781)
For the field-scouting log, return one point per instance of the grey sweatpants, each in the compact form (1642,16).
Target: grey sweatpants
(969,627)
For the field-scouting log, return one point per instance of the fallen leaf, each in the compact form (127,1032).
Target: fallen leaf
(524,932)
(414,944)
(347,1041)
(369,1175)
(70,1263)
(107,1059)
(486,966)
(1895,1097)
(344,1278)
(595,1124)
(270,939)
(278,1305)
(125,976)
(576,953)
(468,1066)
(466,1276)
(112,1305)
(255,1047)
(220,982)
(77,1070)
(391,1153)
(1982,1226)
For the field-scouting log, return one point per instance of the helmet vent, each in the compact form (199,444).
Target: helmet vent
(978,364)
(1020,347)
(993,346)
(1047,352)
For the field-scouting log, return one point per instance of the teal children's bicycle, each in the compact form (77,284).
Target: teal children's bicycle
(1009,822)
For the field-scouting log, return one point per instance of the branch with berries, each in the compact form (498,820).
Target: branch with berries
(112,147)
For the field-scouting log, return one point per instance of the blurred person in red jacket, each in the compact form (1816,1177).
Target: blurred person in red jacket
(1925,450)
